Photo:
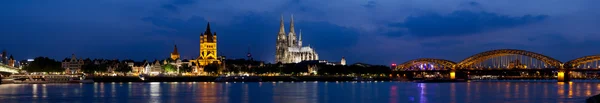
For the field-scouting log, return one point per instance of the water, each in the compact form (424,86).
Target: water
(301,92)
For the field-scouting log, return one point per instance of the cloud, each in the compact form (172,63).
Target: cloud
(173,5)
(442,43)
(170,7)
(459,23)
(177,27)
(370,4)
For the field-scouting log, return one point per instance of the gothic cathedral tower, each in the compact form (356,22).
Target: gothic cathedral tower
(282,44)
(292,42)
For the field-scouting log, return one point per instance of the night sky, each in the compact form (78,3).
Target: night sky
(368,31)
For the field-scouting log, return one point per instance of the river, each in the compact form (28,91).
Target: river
(301,92)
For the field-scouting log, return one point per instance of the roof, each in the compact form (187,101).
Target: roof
(66,60)
(209,35)
(175,51)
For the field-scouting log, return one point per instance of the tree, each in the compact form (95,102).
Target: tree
(169,68)
(44,64)
(123,68)
(89,68)
(211,68)
(185,68)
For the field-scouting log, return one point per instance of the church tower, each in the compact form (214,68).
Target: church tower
(208,50)
(282,44)
(175,54)
(11,61)
(292,35)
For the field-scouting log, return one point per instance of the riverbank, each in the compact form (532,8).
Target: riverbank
(213,78)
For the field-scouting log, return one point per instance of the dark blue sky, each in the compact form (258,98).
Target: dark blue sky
(370,31)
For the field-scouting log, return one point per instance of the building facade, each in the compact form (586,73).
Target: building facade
(72,65)
(4,57)
(289,48)
(208,50)
(11,61)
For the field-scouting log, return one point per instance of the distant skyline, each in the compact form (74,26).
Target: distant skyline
(367,31)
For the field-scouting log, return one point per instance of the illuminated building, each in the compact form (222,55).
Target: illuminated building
(175,54)
(208,50)
(11,61)
(153,68)
(290,50)
(3,57)
(72,65)
(343,61)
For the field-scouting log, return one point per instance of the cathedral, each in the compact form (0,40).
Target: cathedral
(289,48)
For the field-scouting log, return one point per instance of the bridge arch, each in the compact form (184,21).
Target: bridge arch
(483,56)
(437,63)
(586,60)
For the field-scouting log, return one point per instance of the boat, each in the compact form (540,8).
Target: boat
(81,81)
(142,77)
(238,79)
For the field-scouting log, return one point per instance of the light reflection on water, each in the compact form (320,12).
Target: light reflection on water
(301,92)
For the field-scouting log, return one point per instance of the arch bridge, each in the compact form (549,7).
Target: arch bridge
(490,60)
(509,63)
(584,63)
(426,64)
(509,59)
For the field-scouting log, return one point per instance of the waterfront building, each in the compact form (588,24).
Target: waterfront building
(154,68)
(24,63)
(343,61)
(3,57)
(208,51)
(72,65)
(138,67)
(290,50)
(11,61)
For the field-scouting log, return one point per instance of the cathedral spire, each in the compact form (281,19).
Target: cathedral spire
(300,39)
(281,27)
(292,25)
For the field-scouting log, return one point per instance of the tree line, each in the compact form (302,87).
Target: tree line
(45,64)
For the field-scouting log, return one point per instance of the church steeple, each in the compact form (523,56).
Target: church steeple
(281,26)
(300,39)
(175,54)
(208,29)
(292,25)
(175,50)
(292,39)
(208,36)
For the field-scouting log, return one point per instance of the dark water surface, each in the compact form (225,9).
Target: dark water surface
(301,92)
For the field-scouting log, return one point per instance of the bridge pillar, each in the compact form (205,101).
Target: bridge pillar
(452,74)
(563,75)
